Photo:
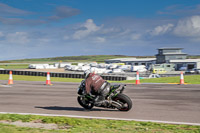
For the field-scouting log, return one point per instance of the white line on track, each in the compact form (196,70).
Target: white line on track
(5,86)
(108,118)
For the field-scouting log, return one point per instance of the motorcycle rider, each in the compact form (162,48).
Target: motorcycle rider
(96,85)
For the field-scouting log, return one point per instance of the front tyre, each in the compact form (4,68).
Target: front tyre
(84,102)
(124,100)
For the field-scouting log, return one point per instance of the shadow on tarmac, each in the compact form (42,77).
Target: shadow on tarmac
(72,108)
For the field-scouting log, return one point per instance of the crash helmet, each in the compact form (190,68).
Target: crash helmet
(86,73)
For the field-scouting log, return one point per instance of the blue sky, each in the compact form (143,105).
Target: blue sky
(51,28)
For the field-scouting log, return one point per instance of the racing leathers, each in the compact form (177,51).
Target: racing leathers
(96,85)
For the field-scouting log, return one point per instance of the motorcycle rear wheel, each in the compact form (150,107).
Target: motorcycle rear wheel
(84,103)
(124,100)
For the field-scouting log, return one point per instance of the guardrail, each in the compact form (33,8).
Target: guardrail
(61,75)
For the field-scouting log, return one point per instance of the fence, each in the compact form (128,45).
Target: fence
(61,75)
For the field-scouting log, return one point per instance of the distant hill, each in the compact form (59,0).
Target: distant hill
(87,58)
(193,56)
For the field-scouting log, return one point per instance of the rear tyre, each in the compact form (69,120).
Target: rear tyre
(124,100)
(84,102)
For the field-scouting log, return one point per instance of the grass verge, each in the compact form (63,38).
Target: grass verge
(5,128)
(190,79)
(93,125)
(38,78)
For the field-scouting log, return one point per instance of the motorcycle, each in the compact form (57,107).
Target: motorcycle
(115,98)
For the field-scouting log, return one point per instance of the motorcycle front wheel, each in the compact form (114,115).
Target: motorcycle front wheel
(124,100)
(84,103)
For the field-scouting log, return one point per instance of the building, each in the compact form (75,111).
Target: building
(167,58)
(116,60)
(165,66)
(188,63)
(133,61)
(166,54)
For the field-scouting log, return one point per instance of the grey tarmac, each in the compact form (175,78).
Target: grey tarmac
(156,102)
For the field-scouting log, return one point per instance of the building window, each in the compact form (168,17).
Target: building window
(143,63)
(136,64)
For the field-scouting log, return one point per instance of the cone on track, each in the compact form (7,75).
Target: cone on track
(10,81)
(137,82)
(181,79)
(48,81)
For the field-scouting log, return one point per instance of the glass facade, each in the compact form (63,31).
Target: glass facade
(164,55)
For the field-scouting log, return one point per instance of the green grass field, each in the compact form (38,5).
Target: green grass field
(15,66)
(38,78)
(88,58)
(80,125)
(191,79)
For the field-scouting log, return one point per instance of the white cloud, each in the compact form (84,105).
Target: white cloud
(125,32)
(99,40)
(44,40)
(1,34)
(160,30)
(17,38)
(189,27)
(66,37)
(89,27)
(135,36)
(110,30)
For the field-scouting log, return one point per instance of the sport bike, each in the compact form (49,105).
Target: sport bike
(115,98)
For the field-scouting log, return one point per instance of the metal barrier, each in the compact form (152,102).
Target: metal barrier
(62,75)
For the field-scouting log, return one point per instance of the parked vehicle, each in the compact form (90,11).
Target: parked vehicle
(113,66)
(140,68)
(84,68)
(190,71)
(197,71)
(117,71)
(183,69)
(108,71)
(38,66)
(125,67)
(98,70)
(154,76)
(159,71)
(115,98)
(68,67)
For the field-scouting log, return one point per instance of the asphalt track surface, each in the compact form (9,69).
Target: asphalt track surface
(157,102)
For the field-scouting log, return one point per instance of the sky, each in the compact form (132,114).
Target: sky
(52,28)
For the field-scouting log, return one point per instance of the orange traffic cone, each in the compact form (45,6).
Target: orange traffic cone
(48,81)
(10,81)
(181,79)
(137,82)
